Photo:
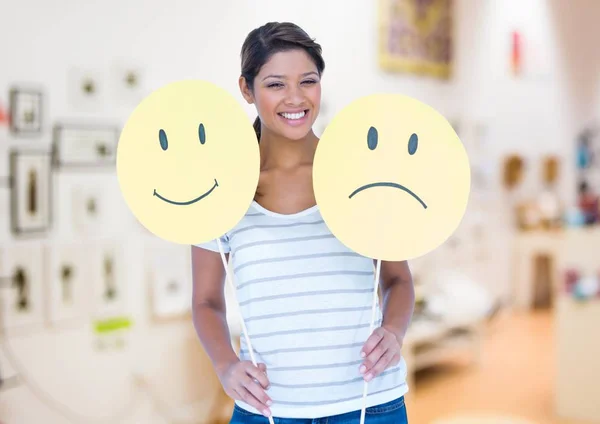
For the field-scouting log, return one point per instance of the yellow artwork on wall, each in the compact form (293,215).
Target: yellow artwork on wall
(415,36)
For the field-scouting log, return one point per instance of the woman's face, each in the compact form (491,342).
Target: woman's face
(287,94)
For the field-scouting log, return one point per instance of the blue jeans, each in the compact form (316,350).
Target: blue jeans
(393,412)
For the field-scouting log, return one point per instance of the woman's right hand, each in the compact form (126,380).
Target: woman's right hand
(241,380)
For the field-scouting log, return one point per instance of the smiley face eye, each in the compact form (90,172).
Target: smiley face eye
(202,134)
(372,138)
(413,143)
(162,137)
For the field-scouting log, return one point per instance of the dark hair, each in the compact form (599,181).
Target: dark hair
(273,37)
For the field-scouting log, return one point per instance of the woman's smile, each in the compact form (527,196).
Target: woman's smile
(295,118)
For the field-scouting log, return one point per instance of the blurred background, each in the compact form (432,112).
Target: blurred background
(95,316)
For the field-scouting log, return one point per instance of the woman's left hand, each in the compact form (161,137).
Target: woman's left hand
(381,350)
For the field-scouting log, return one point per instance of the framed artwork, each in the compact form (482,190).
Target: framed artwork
(21,269)
(84,145)
(67,286)
(128,83)
(26,111)
(106,275)
(31,191)
(169,275)
(89,208)
(415,37)
(85,89)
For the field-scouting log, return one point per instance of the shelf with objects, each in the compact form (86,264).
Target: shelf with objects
(543,222)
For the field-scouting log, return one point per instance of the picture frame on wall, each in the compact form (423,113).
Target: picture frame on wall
(169,278)
(86,90)
(405,45)
(106,268)
(26,111)
(128,80)
(21,268)
(84,145)
(67,288)
(90,209)
(31,192)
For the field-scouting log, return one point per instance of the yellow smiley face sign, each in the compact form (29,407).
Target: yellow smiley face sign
(188,162)
(391,177)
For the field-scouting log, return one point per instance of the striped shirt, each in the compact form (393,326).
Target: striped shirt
(306,300)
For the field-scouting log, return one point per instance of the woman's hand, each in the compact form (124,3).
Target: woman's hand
(241,380)
(381,350)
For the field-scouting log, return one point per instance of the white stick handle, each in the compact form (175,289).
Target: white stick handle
(239,310)
(373,309)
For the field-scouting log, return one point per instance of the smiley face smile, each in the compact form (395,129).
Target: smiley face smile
(385,184)
(189,202)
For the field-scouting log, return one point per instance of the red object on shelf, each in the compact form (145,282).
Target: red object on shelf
(516,52)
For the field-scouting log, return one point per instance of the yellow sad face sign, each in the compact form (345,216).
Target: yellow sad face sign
(391,177)
(188,162)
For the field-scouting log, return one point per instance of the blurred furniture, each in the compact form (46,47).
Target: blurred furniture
(429,342)
(535,256)
(577,324)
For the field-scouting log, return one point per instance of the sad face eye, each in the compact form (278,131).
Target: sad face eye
(202,134)
(372,138)
(162,137)
(413,143)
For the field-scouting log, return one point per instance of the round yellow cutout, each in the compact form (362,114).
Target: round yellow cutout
(391,177)
(188,162)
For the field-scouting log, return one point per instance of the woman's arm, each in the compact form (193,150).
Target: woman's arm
(382,349)
(208,307)
(240,379)
(398,295)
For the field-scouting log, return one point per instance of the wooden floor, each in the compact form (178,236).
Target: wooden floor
(514,377)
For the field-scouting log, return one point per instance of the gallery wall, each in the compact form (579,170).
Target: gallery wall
(53,46)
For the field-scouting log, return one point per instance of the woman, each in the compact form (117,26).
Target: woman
(306,298)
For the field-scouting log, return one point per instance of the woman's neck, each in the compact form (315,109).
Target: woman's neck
(282,153)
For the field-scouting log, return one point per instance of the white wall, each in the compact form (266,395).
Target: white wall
(44,40)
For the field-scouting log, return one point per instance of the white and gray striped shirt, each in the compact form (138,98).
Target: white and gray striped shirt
(306,301)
